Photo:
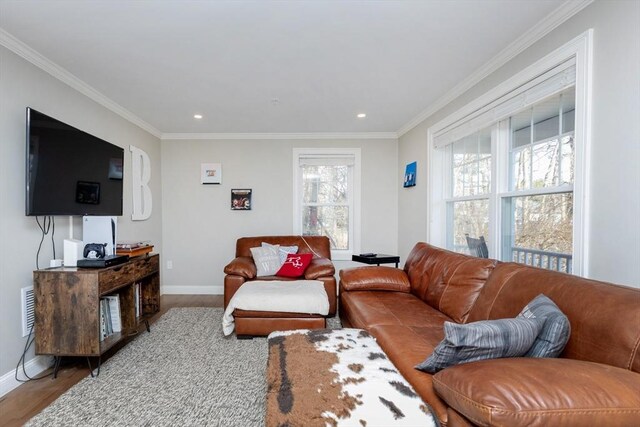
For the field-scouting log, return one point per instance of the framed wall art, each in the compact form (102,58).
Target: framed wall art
(211,173)
(241,199)
(410,175)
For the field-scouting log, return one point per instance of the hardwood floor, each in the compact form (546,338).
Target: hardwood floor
(21,404)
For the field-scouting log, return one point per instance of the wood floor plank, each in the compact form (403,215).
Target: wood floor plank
(21,404)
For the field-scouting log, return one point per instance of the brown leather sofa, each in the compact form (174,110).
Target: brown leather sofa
(242,269)
(596,381)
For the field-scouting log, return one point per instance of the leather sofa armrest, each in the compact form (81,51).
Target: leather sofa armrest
(541,392)
(374,279)
(242,266)
(319,267)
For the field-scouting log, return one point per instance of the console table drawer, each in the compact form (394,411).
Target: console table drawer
(120,275)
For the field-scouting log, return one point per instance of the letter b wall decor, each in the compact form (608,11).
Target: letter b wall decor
(141,172)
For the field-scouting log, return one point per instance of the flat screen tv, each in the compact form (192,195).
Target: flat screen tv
(70,172)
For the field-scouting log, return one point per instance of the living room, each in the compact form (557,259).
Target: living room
(192,226)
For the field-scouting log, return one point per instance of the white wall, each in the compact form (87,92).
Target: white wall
(22,85)
(200,229)
(614,201)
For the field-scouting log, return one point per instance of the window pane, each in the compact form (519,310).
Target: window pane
(545,164)
(567,165)
(540,232)
(471,164)
(521,169)
(325,184)
(520,125)
(330,221)
(469,217)
(546,118)
(568,102)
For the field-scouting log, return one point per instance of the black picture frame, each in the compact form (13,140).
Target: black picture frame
(241,199)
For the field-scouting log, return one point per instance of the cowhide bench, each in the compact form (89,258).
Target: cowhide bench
(337,377)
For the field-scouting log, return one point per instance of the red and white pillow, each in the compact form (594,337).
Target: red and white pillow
(295,265)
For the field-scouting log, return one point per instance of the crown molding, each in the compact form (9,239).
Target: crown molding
(535,33)
(271,136)
(40,61)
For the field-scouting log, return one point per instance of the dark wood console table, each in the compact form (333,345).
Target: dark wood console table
(377,259)
(67,305)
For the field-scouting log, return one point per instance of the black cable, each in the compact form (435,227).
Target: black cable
(27,345)
(47,223)
(53,232)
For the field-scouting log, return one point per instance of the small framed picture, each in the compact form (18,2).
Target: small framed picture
(211,173)
(241,199)
(410,175)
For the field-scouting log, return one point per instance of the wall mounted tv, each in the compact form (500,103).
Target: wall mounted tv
(70,172)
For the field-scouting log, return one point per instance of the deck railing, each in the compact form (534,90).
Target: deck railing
(544,259)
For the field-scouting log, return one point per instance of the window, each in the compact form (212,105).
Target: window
(326,197)
(511,166)
(468,204)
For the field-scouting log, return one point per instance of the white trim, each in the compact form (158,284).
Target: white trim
(192,290)
(535,33)
(269,136)
(580,48)
(45,64)
(35,366)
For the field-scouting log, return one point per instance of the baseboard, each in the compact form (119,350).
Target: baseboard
(33,367)
(192,290)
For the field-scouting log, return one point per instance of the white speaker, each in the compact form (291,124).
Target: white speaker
(72,252)
(100,229)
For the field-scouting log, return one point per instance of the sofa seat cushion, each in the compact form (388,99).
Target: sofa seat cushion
(541,392)
(366,309)
(406,346)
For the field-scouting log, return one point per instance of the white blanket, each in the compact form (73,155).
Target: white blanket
(299,296)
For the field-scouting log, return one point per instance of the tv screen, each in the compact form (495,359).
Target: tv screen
(70,172)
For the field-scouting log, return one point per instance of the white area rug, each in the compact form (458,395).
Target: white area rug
(184,373)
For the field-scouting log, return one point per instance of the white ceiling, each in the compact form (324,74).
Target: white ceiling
(324,61)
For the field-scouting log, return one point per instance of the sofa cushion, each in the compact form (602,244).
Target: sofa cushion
(366,309)
(555,331)
(319,267)
(449,282)
(267,260)
(489,339)
(294,265)
(374,279)
(541,392)
(604,317)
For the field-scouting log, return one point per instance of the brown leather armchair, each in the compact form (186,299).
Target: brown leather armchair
(242,269)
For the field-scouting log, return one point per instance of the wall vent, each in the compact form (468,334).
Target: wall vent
(28,305)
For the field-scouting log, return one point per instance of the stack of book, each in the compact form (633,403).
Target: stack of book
(110,322)
(133,248)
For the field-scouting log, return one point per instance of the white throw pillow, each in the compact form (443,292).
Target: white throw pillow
(283,251)
(267,260)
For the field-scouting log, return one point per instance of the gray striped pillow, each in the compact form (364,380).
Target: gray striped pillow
(556,329)
(487,339)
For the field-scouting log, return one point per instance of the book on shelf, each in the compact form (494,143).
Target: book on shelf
(110,317)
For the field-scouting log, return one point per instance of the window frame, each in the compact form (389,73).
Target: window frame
(354,199)
(579,48)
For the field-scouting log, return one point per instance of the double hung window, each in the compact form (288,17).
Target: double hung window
(326,197)
(510,167)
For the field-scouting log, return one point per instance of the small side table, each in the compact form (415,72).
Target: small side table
(377,259)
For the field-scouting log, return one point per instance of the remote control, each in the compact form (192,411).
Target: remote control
(368,254)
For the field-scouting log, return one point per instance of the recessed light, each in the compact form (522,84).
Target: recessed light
(197,116)
(362,115)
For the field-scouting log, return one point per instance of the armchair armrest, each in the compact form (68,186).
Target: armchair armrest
(374,279)
(242,266)
(319,267)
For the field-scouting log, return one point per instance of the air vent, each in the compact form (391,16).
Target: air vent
(28,304)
